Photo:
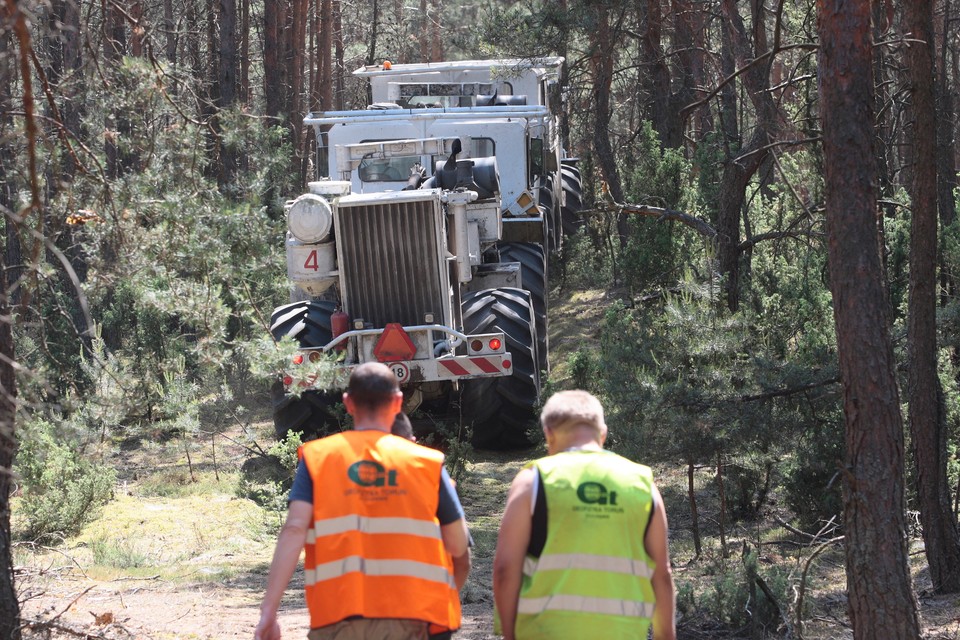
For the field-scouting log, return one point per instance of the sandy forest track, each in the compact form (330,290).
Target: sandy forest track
(206,566)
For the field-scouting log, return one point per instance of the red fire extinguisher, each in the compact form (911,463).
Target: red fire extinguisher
(339,324)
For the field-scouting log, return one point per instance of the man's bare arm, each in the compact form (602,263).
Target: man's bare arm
(656,544)
(461,569)
(512,543)
(456,540)
(290,543)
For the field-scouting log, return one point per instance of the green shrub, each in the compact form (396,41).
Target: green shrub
(119,554)
(62,489)
(267,479)
(737,601)
(811,487)
(584,369)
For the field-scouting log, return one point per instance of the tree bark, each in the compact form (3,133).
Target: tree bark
(245,94)
(946,158)
(601,66)
(928,425)
(325,80)
(9,605)
(694,513)
(170,48)
(227,83)
(436,42)
(272,80)
(722,518)
(655,71)
(880,599)
(10,18)
(340,70)
(114,47)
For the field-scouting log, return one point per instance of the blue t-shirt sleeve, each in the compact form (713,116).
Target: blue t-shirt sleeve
(448,509)
(302,485)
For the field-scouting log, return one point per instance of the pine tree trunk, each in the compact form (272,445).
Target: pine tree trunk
(272,80)
(170,49)
(928,425)
(9,604)
(694,514)
(722,518)
(880,599)
(436,42)
(327,29)
(245,94)
(946,159)
(340,71)
(227,82)
(601,66)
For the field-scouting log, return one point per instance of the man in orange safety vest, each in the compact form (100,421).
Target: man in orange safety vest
(387,546)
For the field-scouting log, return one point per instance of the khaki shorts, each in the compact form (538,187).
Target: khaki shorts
(372,629)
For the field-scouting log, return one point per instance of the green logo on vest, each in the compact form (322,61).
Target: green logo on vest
(596,493)
(368,473)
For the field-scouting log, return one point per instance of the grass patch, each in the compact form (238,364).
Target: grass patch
(176,482)
(119,554)
(204,537)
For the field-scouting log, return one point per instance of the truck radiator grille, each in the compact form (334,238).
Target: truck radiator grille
(392,262)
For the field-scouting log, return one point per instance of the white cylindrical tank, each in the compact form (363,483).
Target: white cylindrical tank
(311,267)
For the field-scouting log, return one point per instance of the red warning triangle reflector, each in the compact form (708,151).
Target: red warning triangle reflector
(394,344)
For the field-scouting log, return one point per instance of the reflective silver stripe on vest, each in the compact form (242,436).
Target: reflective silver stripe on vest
(608,606)
(609,564)
(409,526)
(405,568)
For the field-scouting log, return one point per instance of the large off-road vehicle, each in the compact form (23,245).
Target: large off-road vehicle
(425,243)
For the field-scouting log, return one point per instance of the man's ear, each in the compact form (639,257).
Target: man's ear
(348,402)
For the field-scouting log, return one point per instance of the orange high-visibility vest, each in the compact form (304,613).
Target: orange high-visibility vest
(375,548)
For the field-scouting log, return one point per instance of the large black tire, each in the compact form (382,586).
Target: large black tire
(313,413)
(501,410)
(551,217)
(533,273)
(573,199)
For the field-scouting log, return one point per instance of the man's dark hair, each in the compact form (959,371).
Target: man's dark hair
(372,385)
(402,427)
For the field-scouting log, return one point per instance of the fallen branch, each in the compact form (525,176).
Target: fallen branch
(48,625)
(803,582)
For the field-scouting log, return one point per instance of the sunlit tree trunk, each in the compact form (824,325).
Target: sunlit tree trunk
(424,31)
(880,599)
(325,54)
(340,71)
(928,424)
(436,42)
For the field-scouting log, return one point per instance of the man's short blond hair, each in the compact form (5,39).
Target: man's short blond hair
(568,409)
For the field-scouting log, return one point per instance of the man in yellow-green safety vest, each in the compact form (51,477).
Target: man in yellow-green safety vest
(582,550)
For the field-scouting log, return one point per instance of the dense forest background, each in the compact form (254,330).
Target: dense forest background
(147,148)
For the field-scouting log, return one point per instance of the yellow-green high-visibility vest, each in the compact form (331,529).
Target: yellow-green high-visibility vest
(592,579)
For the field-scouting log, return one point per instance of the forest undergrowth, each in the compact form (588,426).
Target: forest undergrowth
(183,547)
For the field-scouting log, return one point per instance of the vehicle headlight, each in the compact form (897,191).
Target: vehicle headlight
(310,218)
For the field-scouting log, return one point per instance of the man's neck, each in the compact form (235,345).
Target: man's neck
(370,427)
